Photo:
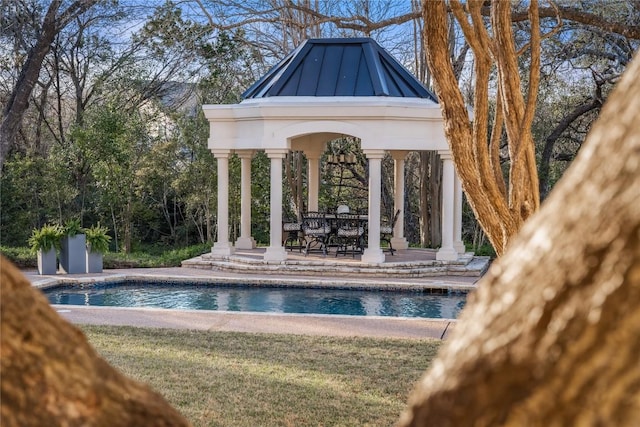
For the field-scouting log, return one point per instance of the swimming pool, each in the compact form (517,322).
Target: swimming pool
(250,298)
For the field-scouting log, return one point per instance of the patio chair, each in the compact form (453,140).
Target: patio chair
(342,209)
(316,232)
(293,232)
(350,234)
(386,231)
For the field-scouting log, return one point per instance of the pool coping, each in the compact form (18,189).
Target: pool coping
(264,323)
(441,284)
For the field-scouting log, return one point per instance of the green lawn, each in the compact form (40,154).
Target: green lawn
(239,379)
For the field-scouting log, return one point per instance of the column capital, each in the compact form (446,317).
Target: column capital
(374,154)
(445,154)
(245,154)
(278,153)
(221,153)
(399,154)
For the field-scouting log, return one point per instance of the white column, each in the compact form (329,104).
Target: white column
(373,253)
(447,252)
(276,252)
(222,247)
(458,244)
(245,241)
(398,241)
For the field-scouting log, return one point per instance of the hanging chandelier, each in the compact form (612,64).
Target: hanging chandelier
(343,158)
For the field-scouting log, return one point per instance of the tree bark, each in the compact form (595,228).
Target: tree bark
(51,376)
(550,338)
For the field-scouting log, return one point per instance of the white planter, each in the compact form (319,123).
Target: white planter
(94,262)
(73,254)
(47,262)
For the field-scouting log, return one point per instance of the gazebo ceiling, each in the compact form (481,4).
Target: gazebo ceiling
(339,67)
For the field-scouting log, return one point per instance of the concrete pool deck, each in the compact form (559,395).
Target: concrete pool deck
(301,324)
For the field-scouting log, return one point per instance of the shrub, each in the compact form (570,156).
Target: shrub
(72,227)
(154,257)
(45,238)
(22,257)
(97,239)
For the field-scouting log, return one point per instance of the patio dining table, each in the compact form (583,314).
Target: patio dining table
(321,231)
(333,218)
(336,239)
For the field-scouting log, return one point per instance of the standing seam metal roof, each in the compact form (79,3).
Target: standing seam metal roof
(339,67)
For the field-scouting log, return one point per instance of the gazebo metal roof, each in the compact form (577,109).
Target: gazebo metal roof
(339,67)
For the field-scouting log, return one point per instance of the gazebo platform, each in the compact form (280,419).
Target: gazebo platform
(411,262)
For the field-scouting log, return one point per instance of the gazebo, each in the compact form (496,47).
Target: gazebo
(323,90)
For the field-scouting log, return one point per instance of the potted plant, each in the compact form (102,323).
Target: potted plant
(72,248)
(44,242)
(97,241)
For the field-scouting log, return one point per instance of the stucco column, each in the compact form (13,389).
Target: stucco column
(245,241)
(447,252)
(373,253)
(398,241)
(222,247)
(458,244)
(276,252)
(313,178)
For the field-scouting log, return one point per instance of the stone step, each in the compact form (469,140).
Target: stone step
(475,267)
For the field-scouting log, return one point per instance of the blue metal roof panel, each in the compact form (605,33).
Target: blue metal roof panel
(328,80)
(403,77)
(348,73)
(375,71)
(338,67)
(363,84)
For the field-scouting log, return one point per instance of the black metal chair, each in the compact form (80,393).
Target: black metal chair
(349,234)
(316,232)
(386,231)
(294,237)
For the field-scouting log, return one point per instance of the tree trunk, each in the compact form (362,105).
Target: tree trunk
(51,376)
(127,225)
(551,336)
(435,200)
(550,141)
(299,186)
(500,215)
(424,200)
(430,199)
(19,100)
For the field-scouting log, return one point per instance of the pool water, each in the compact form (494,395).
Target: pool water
(263,299)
